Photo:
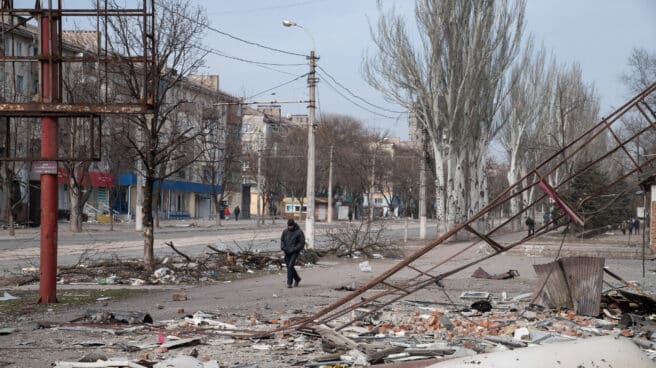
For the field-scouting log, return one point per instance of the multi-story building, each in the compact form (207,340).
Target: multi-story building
(186,193)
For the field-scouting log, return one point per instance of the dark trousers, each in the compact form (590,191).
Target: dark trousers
(290,262)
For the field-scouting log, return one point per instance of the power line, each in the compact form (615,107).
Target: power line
(275,87)
(223,54)
(355,95)
(224,33)
(357,104)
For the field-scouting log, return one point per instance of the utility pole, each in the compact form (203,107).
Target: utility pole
(422,196)
(371,187)
(309,217)
(330,186)
(48,28)
(259,179)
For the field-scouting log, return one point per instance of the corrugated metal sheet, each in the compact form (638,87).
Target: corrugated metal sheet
(572,282)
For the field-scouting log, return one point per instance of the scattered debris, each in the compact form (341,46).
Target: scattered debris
(480,273)
(7,297)
(365,266)
(127,317)
(474,295)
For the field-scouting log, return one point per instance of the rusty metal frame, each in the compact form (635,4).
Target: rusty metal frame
(11,24)
(394,291)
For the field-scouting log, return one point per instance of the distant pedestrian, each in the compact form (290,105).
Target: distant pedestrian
(226,212)
(630,226)
(350,213)
(237,211)
(292,243)
(636,226)
(530,223)
(623,227)
(546,218)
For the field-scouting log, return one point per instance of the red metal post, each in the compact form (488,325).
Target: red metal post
(49,92)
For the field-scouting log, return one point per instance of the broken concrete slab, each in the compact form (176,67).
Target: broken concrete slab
(104,364)
(606,351)
(185,361)
(174,344)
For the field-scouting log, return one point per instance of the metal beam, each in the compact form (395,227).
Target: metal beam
(37,109)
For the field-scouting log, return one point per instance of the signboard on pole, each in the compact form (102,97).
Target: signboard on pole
(44,167)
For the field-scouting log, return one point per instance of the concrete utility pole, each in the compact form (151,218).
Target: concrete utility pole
(312,82)
(259,179)
(330,186)
(309,217)
(49,26)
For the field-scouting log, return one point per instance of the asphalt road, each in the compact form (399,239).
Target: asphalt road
(192,237)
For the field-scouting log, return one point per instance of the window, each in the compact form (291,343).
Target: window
(35,86)
(20,84)
(19,49)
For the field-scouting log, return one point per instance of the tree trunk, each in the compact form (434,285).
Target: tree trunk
(456,200)
(157,192)
(9,214)
(217,201)
(148,230)
(440,190)
(422,198)
(74,200)
(111,209)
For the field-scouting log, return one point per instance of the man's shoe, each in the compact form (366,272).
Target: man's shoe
(296,282)
(289,286)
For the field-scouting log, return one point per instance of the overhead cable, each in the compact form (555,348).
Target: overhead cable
(276,87)
(355,95)
(224,33)
(357,104)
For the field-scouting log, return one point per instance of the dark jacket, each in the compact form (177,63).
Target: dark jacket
(292,241)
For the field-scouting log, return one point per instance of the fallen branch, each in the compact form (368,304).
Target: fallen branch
(170,244)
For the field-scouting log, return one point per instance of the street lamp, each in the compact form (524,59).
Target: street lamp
(309,217)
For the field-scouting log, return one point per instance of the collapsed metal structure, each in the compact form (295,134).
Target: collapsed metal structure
(385,289)
(50,104)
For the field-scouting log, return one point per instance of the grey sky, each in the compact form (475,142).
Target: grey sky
(599,34)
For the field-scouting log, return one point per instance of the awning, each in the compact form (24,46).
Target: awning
(127,179)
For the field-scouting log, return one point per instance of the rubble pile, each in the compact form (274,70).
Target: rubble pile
(429,332)
(170,270)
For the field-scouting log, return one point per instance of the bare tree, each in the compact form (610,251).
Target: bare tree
(454,81)
(522,115)
(159,137)
(642,70)
(575,108)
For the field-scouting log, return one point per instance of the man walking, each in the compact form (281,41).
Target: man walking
(292,243)
(530,223)
(237,211)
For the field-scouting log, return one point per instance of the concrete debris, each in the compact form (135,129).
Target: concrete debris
(7,297)
(103,364)
(7,331)
(365,267)
(127,317)
(185,361)
(474,295)
(174,344)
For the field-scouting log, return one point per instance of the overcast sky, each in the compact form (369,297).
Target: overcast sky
(598,34)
